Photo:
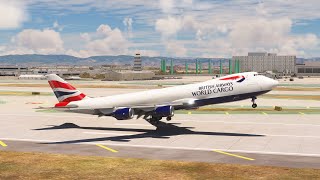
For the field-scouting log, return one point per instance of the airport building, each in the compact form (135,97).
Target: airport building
(128,75)
(263,61)
(42,70)
(308,69)
(60,70)
(32,77)
(14,71)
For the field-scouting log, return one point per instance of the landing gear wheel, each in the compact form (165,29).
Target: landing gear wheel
(253,100)
(154,120)
(254,105)
(169,118)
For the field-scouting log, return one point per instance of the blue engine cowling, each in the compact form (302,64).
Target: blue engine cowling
(123,114)
(164,111)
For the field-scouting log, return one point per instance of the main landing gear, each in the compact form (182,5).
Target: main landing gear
(253,99)
(154,120)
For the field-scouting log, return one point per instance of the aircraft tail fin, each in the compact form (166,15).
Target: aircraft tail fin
(64,91)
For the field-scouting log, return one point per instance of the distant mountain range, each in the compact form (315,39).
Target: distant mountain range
(36,59)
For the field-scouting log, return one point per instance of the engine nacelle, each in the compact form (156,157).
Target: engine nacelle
(123,114)
(164,111)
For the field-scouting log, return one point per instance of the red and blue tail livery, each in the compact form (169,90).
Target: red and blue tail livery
(64,92)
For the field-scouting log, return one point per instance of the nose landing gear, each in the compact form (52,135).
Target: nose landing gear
(253,100)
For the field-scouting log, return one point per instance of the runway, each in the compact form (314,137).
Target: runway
(276,140)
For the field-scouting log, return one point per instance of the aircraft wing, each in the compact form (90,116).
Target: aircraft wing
(146,109)
(178,104)
(140,110)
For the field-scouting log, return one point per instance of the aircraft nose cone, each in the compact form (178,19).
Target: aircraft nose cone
(274,83)
(271,83)
(267,83)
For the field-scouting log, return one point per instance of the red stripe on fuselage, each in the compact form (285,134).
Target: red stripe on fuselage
(57,84)
(231,78)
(74,98)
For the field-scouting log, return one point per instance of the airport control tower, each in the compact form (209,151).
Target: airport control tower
(137,64)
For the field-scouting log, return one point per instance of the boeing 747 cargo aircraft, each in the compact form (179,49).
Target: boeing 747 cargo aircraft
(153,105)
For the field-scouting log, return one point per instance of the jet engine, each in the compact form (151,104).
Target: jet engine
(123,113)
(164,111)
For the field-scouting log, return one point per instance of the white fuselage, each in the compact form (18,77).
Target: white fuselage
(211,89)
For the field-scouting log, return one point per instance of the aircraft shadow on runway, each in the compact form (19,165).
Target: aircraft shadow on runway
(164,130)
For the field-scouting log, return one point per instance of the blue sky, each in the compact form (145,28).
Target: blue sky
(180,28)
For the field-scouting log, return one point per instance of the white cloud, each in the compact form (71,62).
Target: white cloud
(57,26)
(168,27)
(107,41)
(176,49)
(187,3)
(228,11)
(114,43)
(269,35)
(197,27)
(199,35)
(81,53)
(299,44)
(104,30)
(260,32)
(172,25)
(166,5)
(12,14)
(85,36)
(128,24)
(36,41)
(237,33)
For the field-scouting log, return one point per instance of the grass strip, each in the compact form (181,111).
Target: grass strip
(18,165)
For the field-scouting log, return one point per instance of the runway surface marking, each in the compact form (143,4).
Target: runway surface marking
(301,113)
(3,144)
(107,148)
(177,147)
(234,155)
